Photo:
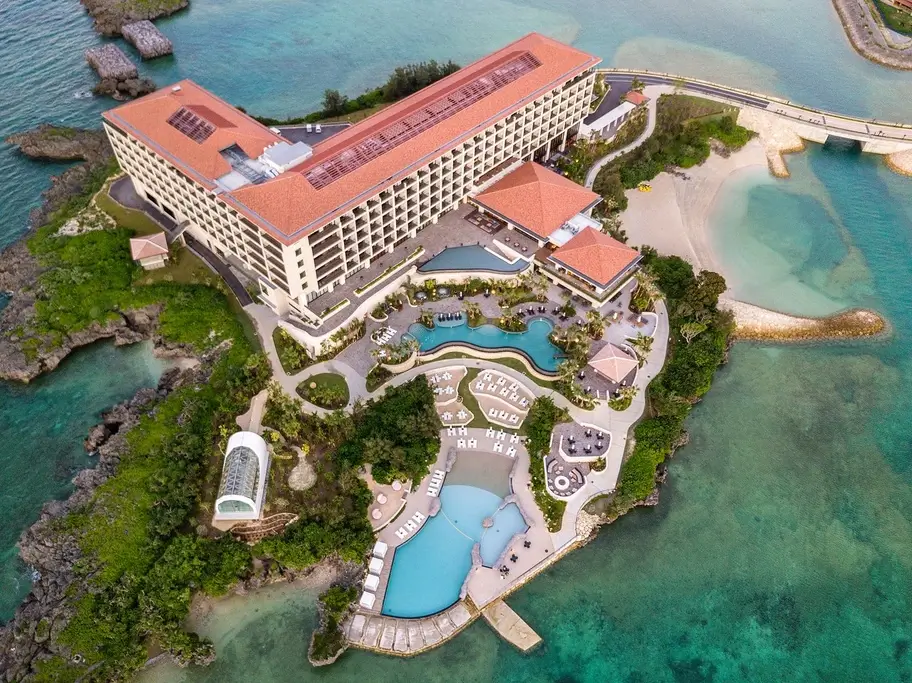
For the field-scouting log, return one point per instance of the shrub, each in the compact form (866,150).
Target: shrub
(543,416)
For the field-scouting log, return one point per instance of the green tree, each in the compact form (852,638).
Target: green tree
(334,102)
(642,346)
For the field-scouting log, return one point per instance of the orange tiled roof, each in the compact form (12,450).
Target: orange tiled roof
(147,119)
(289,206)
(596,256)
(636,98)
(537,199)
(148,246)
(613,362)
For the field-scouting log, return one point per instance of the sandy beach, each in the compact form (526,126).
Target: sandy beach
(674,216)
(674,219)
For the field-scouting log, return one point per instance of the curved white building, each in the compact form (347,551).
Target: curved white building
(244,475)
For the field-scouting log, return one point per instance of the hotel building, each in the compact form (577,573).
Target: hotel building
(303,219)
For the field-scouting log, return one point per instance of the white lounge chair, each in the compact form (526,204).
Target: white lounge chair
(463,431)
(501,435)
(504,391)
(418,517)
(490,433)
(433,492)
(451,431)
(523,403)
(514,438)
(492,412)
(447,376)
(502,415)
(511,452)
(461,415)
(492,388)
(513,386)
(440,473)
(410,525)
(501,381)
(460,443)
(486,377)
(498,447)
(514,419)
(449,391)
(480,386)
(473,443)
(514,397)
(401,533)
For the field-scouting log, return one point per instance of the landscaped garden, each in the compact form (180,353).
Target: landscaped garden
(896,18)
(326,390)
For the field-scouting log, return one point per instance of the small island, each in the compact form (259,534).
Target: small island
(447,380)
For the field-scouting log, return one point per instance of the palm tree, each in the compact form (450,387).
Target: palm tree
(642,346)
(472,310)
(595,323)
(646,292)
(567,370)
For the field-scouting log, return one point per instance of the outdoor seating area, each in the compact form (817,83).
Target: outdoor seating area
(503,400)
(436,483)
(485,221)
(387,501)
(495,441)
(383,335)
(563,479)
(412,525)
(372,582)
(580,442)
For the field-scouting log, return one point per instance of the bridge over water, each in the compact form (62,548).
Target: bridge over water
(876,137)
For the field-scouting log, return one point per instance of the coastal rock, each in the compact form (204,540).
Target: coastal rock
(97,436)
(61,143)
(53,554)
(111,15)
(148,40)
(125,89)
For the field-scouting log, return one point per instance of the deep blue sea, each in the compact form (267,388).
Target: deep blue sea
(782,549)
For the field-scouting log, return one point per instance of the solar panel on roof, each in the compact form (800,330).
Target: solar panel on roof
(398,132)
(192,125)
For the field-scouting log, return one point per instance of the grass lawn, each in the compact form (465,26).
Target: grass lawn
(136,221)
(899,20)
(479,421)
(327,390)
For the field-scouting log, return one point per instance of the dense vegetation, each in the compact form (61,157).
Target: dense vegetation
(540,422)
(681,139)
(404,81)
(398,434)
(328,640)
(896,18)
(698,340)
(141,557)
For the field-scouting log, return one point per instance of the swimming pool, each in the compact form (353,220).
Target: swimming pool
(429,570)
(533,343)
(473,257)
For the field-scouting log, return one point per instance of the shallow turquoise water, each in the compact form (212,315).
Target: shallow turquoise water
(533,342)
(42,425)
(472,257)
(429,570)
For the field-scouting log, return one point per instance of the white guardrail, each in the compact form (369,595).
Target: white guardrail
(685,80)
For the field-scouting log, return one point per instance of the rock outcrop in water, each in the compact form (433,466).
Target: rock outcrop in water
(111,15)
(60,143)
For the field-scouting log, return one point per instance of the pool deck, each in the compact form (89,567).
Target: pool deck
(407,637)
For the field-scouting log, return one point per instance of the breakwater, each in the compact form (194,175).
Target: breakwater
(755,323)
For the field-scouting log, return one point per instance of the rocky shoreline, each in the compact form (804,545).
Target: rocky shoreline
(760,324)
(864,32)
(53,554)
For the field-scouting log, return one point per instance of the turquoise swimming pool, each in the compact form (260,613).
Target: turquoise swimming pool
(533,343)
(473,257)
(429,570)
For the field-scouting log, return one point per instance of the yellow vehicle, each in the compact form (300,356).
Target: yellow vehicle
(644,187)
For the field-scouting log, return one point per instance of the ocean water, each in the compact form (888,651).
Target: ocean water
(781,548)
(42,425)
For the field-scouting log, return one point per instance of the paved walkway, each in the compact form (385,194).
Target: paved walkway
(511,626)
(653,95)
(405,637)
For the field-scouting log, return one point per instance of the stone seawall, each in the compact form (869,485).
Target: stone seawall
(760,324)
(864,32)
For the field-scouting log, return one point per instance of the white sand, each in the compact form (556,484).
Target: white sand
(674,216)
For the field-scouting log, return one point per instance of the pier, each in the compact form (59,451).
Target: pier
(510,626)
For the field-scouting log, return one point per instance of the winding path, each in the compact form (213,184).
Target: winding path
(650,127)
